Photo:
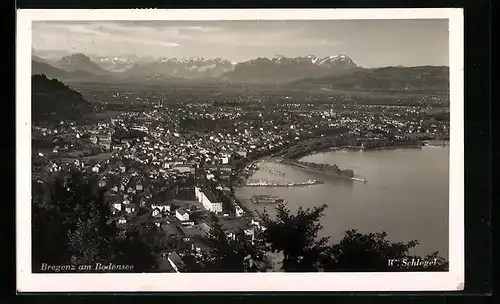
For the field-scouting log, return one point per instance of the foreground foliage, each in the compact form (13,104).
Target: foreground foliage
(290,243)
(72,225)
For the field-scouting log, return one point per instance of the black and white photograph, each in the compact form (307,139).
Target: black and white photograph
(181,144)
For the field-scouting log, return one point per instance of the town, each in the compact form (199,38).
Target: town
(173,159)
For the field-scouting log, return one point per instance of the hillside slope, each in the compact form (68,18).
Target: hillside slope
(52,101)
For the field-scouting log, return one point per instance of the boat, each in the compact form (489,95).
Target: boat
(266,199)
(359,179)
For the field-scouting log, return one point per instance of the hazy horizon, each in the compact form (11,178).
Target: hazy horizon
(369,43)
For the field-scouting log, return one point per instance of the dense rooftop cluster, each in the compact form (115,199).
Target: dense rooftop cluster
(173,164)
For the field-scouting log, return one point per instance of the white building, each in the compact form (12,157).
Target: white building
(176,262)
(102,183)
(258,225)
(239,211)
(162,207)
(209,201)
(183,168)
(225,159)
(242,153)
(155,212)
(182,214)
(250,233)
(104,140)
(93,139)
(140,128)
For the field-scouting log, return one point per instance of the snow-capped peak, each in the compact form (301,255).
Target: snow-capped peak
(113,63)
(335,60)
(340,57)
(313,58)
(278,57)
(194,60)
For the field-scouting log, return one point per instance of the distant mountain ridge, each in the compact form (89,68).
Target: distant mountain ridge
(114,64)
(80,62)
(335,72)
(423,78)
(180,68)
(45,68)
(282,69)
(197,68)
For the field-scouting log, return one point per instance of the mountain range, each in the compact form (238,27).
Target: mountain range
(279,69)
(339,71)
(282,69)
(180,68)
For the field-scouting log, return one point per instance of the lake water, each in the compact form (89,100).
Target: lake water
(406,194)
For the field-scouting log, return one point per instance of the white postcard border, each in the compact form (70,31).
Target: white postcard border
(190,282)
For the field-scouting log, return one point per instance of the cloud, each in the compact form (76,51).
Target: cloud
(174,25)
(154,37)
(203,29)
(98,33)
(372,42)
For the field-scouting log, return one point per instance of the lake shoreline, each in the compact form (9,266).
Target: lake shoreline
(295,164)
(337,142)
(391,199)
(356,148)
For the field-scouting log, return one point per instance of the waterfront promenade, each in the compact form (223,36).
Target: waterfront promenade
(282,184)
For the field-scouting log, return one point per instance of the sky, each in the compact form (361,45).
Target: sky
(369,43)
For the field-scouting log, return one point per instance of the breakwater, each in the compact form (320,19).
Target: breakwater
(281,184)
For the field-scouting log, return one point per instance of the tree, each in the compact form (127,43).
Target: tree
(55,211)
(92,241)
(227,255)
(132,249)
(72,224)
(367,252)
(296,235)
(290,243)
(372,252)
(271,262)
(49,239)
